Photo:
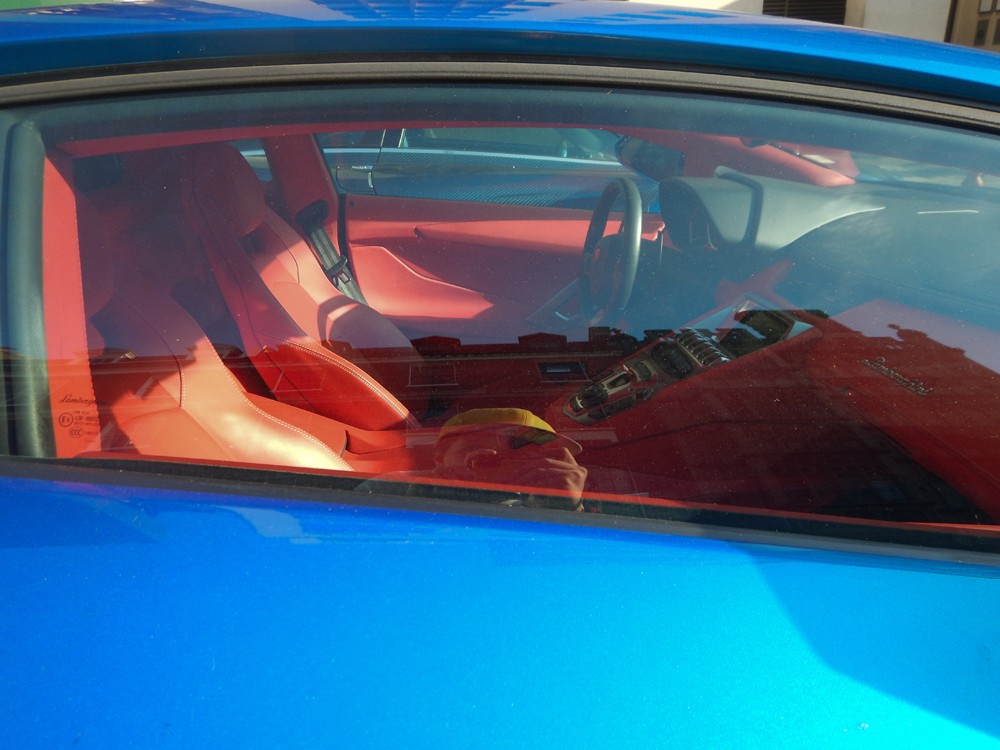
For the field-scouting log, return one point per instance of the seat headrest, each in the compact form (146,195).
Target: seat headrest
(119,194)
(225,188)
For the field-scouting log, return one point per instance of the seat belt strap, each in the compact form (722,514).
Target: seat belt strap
(335,266)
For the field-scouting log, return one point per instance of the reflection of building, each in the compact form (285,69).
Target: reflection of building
(920,19)
(973,23)
(830,11)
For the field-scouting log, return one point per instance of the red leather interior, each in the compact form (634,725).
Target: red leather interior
(162,388)
(159,385)
(475,271)
(704,153)
(296,368)
(72,400)
(182,258)
(290,269)
(301,175)
(175,396)
(423,305)
(293,275)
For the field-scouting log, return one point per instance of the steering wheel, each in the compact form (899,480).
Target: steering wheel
(610,263)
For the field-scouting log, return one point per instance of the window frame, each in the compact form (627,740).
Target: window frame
(21,208)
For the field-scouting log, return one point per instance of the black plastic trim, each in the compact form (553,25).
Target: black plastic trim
(819,533)
(878,100)
(6,424)
(6,389)
(30,413)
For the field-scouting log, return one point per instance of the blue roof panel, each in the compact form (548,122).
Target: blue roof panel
(43,42)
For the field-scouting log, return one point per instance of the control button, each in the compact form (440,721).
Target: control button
(593,395)
(620,382)
(642,371)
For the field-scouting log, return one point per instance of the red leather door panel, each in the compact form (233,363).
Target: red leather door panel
(464,269)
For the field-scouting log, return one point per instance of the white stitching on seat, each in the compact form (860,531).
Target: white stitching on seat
(309,436)
(210,353)
(373,385)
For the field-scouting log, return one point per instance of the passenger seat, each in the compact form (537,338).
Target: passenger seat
(162,387)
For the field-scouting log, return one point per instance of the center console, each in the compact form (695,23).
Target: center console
(718,338)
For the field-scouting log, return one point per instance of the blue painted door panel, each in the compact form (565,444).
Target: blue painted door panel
(148,618)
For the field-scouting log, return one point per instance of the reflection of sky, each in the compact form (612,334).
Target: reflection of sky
(322,625)
(361,10)
(305,9)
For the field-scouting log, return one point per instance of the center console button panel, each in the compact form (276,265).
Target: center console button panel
(712,342)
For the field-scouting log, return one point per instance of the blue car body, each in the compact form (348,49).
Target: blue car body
(153,616)
(154,608)
(170,33)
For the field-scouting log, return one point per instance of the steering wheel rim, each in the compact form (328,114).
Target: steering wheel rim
(626,265)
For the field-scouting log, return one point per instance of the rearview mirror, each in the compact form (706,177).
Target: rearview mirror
(650,159)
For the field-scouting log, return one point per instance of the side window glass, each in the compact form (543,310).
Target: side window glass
(351,158)
(673,304)
(253,151)
(554,167)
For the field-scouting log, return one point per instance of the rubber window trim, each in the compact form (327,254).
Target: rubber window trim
(29,416)
(873,100)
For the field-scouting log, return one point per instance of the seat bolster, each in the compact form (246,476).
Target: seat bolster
(250,436)
(296,368)
(333,434)
(175,398)
(304,374)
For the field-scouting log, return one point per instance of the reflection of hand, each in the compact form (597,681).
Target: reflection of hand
(493,456)
(482,459)
(552,469)
(541,467)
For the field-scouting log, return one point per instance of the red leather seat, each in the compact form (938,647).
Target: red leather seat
(291,272)
(169,394)
(162,388)
(225,205)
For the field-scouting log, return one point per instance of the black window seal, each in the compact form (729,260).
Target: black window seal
(746,84)
(6,425)
(29,413)
(814,533)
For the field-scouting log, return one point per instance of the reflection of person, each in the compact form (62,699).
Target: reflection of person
(510,447)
